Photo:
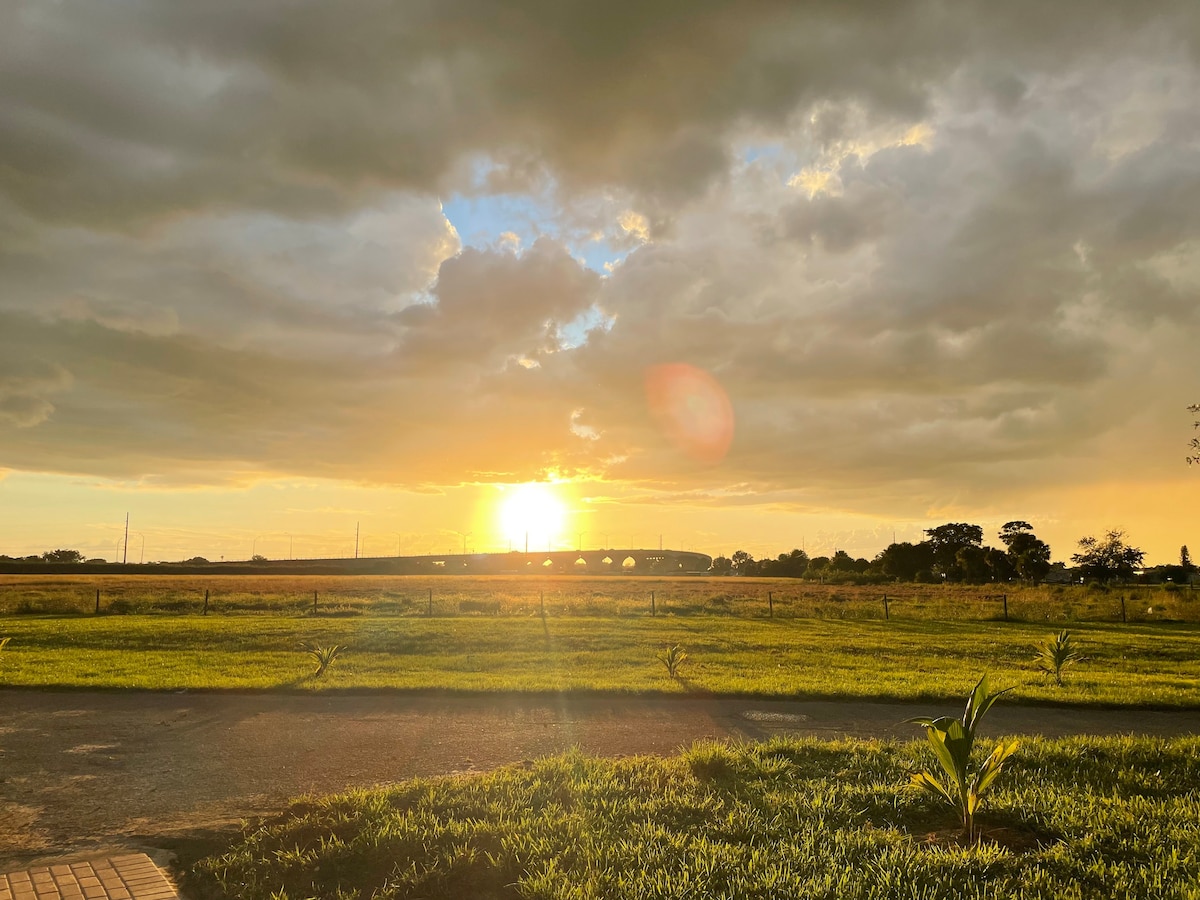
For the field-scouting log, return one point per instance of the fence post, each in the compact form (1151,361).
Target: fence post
(886,615)
(431,603)
(206,601)
(314,601)
(1123,620)
(652,604)
(770,605)
(97,601)
(1004,597)
(542,601)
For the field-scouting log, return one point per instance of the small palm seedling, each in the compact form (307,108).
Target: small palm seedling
(1056,655)
(952,740)
(672,658)
(323,656)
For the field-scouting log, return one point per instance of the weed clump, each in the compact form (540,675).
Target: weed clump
(323,656)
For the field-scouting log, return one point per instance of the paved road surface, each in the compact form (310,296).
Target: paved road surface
(87,772)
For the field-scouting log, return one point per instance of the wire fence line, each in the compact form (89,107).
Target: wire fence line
(450,596)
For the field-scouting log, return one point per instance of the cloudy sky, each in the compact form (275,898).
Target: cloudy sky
(754,274)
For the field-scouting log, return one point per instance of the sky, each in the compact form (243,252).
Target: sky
(753,275)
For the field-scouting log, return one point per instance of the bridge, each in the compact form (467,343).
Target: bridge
(551,562)
(559,562)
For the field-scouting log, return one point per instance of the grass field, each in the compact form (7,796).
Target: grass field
(1144,664)
(1077,818)
(414,596)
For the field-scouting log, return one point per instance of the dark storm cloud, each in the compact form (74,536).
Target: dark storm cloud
(116,113)
(914,241)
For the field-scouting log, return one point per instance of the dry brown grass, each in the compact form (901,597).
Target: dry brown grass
(582,595)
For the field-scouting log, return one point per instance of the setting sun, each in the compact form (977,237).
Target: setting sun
(532,515)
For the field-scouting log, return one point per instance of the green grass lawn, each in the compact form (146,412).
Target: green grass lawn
(1075,818)
(1133,665)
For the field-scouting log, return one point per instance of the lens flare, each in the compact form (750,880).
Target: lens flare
(692,408)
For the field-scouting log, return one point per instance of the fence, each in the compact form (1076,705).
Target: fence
(453,596)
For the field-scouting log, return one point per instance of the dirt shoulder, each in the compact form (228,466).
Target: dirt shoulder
(82,772)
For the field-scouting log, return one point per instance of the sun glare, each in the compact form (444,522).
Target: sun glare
(532,515)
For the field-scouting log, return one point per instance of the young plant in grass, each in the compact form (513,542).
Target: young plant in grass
(952,741)
(672,658)
(1057,655)
(323,656)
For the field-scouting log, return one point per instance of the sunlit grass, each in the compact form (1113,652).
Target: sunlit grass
(1081,817)
(1156,665)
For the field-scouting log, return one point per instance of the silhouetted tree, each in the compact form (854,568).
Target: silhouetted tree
(1000,567)
(1104,560)
(786,565)
(1195,457)
(1029,556)
(904,560)
(721,565)
(841,561)
(946,540)
(63,556)
(818,567)
(972,564)
(743,563)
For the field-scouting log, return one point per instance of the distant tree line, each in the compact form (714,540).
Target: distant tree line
(950,552)
(50,556)
(955,552)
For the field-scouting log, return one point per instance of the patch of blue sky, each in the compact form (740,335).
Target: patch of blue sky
(575,332)
(482,221)
(766,153)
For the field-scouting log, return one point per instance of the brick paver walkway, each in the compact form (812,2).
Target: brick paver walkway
(129,877)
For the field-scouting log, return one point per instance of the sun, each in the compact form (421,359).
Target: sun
(532,515)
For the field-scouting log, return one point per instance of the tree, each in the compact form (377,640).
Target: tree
(817,567)
(1104,560)
(743,563)
(63,556)
(972,564)
(1012,531)
(841,561)
(1195,445)
(786,565)
(905,560)
(946,540)
(721,565)
(1029,556)
(1000,566)
(1185,560)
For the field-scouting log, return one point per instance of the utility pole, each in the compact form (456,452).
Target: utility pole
(125,553)
(356,524)
(464,535)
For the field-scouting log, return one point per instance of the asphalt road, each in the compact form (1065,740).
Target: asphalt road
(85,772)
